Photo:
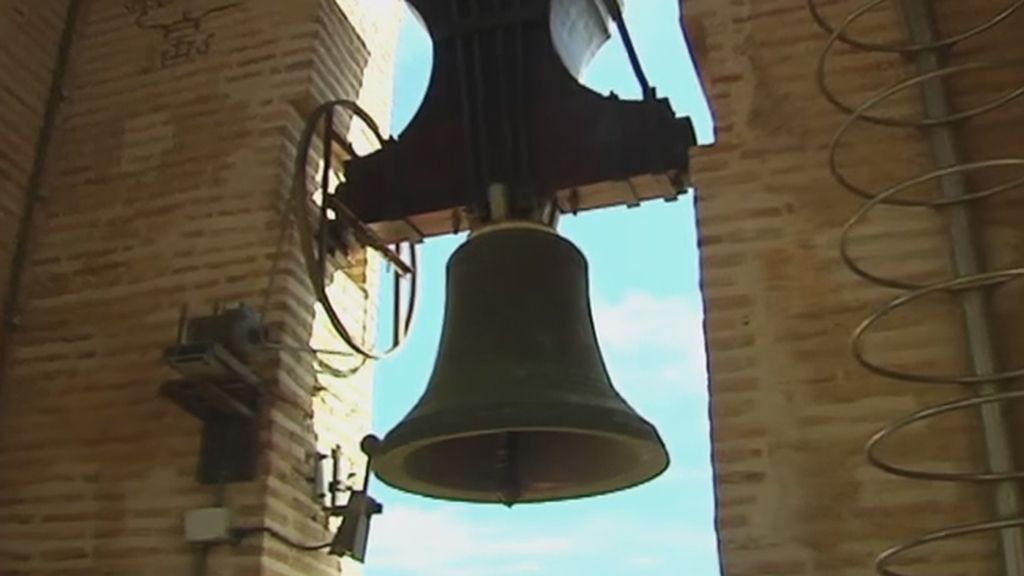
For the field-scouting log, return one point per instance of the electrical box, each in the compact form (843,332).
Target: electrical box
(208,526)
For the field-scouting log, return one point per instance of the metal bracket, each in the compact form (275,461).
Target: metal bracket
(504,105)
(352,536)
(220,389)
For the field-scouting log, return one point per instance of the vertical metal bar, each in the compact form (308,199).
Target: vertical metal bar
(397,320)
(506,108)
(967,261)
(325,188)
(474,174)
(522,118)
(483,118)
(335,486)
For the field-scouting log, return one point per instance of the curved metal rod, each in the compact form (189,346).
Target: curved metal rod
(821,76)
(926,47)
(904,48)
(887,557)
(889,195)
(873,445)
(860,113)
(955,285)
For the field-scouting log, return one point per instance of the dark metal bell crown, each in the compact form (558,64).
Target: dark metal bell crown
(520,407)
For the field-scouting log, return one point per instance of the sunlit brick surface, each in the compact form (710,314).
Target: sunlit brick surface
(791,410)
(165,184)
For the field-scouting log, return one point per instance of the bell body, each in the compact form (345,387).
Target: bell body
(519,407)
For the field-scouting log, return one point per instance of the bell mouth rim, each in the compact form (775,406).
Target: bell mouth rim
(653,460)
(383,448)
(548,417)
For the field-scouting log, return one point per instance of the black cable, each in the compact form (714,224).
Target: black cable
(34,187)
(627,42)
(325,367)
(241,533)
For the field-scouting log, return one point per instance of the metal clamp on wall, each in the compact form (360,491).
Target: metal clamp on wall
(352,536)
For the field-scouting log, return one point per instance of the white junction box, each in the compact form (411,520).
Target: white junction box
(208,525)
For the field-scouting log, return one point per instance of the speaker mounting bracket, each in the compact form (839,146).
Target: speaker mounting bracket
(220,389)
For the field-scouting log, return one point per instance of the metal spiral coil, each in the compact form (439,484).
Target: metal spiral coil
(984,385)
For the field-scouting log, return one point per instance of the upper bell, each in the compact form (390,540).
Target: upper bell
(519,407)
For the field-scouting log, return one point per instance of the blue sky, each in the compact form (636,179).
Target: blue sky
(644,286)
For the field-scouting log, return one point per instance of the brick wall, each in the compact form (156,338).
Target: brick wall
(165,187)
(791,410)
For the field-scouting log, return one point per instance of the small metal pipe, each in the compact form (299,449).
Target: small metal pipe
(33,189)
(396,310)
(199,558)
(499,199)
(967,261)
(627,42)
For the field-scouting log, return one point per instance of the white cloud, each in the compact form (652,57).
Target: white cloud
(659,339)
(643,320)
(643,537)
(441,542)
(445,542)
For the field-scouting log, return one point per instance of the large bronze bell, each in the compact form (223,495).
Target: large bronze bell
(520,407)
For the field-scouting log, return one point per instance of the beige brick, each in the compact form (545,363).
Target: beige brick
(781,306)
(165,186)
